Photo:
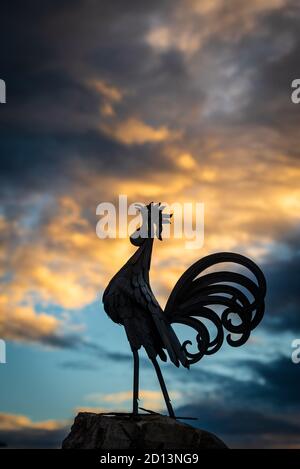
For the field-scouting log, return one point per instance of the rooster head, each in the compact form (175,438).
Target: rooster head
(153,220)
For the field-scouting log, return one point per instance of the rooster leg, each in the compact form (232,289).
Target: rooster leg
(135,381)
(163,388)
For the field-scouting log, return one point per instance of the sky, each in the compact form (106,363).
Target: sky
(172,101)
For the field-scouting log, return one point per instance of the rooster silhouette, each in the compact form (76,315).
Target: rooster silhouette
(229,301)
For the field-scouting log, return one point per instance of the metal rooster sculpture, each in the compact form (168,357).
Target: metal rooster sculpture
(217,296)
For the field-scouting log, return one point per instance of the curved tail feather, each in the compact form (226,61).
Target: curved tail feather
(197,297)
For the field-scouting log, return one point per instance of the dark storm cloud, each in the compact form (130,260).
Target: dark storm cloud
(258,386)
(43,161)
(61,341)
(33,438)
(272,384)
(280,383)
(283,303)
(237,80)
(238,415)
(275,56)
(52,115)
(261,412)
(228,420)
(98,355)
(282,272)
(242,428)
(258,68)
(99,352)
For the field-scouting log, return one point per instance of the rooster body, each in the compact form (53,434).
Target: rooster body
(128,300)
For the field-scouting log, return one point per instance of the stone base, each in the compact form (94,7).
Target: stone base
(123,431)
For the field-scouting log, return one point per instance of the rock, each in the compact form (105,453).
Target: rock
(123,431)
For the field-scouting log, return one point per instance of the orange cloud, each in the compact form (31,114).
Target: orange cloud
(135,131)
(186,161)
(193,23)
(21,322)
(248,205)
(149,399)
(12,422)
(112,93)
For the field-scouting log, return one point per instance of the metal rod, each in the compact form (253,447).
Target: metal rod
(163,388)
(135,382)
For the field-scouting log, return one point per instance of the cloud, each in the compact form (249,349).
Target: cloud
(134,131)
(110,94)
(23,322)
(171,101)
(186,161)
(191,25)
(98,351)
(260,412)
(188,102)
(244,428)
(16,422)
(18,431)
(152,400)
(42,247)
(79,365)
(93,410)
(269,387)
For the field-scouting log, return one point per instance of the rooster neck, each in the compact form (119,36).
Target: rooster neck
(138,263)
(141,259)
